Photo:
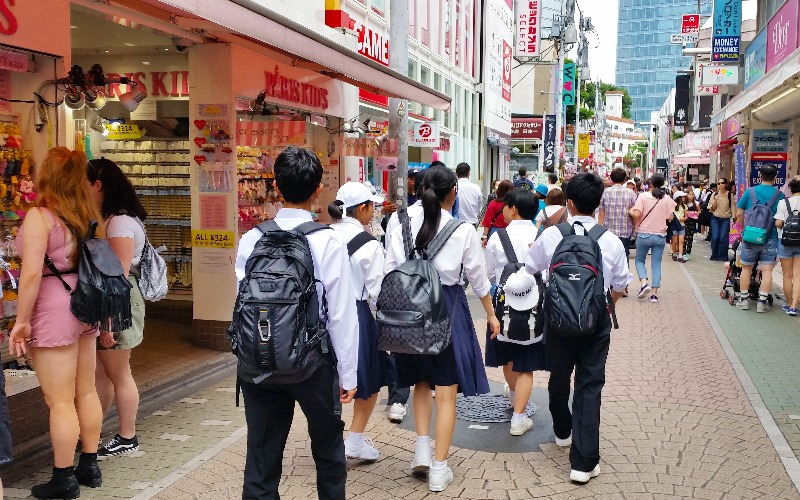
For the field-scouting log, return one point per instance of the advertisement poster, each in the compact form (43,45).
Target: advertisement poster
(568,81)
(212,239)
(755,59)
(727,30)
(739,170)
(214,260)
(529,15)
(770,146)
(782,31)
(499,31)
(213,211)
(549,142)
(583,146)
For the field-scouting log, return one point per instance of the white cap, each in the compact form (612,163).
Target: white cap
(678,194)
(521,291)
(352,194)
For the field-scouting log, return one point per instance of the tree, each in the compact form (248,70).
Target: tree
(590,89)
(637,155)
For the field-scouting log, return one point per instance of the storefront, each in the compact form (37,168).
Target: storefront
(526,143)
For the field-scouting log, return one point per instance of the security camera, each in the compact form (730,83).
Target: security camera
(181,44)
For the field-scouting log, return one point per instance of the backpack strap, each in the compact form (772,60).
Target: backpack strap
(774,199)
(309,227)
(55,272)
(402,214)
(268,225)
(753,198)
(359,241)
(508,248)
(440,239)
(495,218)
(408,245)
(566,229)
(596,232)
(559,217)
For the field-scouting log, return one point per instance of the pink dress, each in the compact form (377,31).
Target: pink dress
(52,323)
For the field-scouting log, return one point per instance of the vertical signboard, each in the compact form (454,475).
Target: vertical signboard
(755,59)
(681,100)
(739,170)
(782,34)
(528,32)
(583,146)
(727,30)
(549,142)
(568,92)
(770,146)
(499,33)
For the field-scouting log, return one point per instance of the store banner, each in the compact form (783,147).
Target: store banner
(727,30)
(271,134)
(498,42)
(367,146)
(583,146)
(755,59)
(528,30)
(527,128)
(739,169)
(682,83)
(770,146)
(372,44)
(425,135)
(549,142)
(782,34)
(568,81)
(720,75)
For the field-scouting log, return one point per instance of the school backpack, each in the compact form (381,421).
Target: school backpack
(412,315)
(358,241)
(102,295)
(791,227)
(576,299)
(519,326)
(759,219)
(276,331)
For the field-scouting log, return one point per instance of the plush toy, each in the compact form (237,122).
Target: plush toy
(26,190)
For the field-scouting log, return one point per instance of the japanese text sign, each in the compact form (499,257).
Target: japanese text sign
(690,23)
(528,28)
(550,142)
(727,30)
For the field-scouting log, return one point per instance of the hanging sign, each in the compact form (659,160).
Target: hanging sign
(720,75)
(425,135)
(755,59)
(278,133)
(528,28)
(583,146)
(14,61)
(770,146)
(701,89)
(123,131)
(782,34)
(690,23)
(727,30)
(681,100)
(549,142)
(568,92)
(367,146)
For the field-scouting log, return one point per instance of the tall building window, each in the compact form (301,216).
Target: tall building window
(379,7)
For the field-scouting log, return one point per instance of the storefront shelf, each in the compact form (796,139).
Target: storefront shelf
(133,162)
(168,222)
(145,151)
(181,176)
(176,191)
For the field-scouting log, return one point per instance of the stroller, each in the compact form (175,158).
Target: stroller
(732,279)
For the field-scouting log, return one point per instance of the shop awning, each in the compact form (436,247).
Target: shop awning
(313,51)
(691,159)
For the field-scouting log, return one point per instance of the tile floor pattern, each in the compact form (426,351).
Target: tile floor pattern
(676,423)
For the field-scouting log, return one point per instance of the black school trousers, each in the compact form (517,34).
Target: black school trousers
(269,411)
(587,356)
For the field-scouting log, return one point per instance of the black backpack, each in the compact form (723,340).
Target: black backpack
(276,331)
(518,321)
(102,296)
(358,241)
(791,227)
(412,315)
(576,300)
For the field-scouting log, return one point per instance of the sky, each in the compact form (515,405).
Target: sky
(603,43)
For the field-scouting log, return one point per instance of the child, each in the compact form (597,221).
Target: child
(679,226)
(459,366)
(366,265)
(518,359)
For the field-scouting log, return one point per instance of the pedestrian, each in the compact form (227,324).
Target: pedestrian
(704,220)
(766,254)
(523,181)
(366,264)
(124,218)
(489,198)
(460,366)
(692,214)
(615,209)
(60,346)
(679,226)
(789,254)
(652,211)
(269,408)
(720,207)
(519,359)
(586,354)
(541,193)
(469,196)
(493,219)
(552,181)
(413,208)
(555,211)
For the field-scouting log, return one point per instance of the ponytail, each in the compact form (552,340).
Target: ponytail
(335,210)
(657,182)
(439,181)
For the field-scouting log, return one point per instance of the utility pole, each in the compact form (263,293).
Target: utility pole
(559,86)
(578,66)
(398,108)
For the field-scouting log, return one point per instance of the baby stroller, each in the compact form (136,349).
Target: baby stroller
(733,275)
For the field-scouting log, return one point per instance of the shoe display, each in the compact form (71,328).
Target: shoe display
(584,477)
(397,412)
(63,484)
(564,442)
(522,427)
(423,455)
(643,291)
(364,450)
(762,306)
(117,446)
(654,299)
(438,479)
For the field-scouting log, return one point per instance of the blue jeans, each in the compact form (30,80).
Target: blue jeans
(720,229)
(655,243)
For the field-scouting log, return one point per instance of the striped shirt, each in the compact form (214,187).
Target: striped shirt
(616,202)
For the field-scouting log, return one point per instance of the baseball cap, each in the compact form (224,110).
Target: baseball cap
(352,194)
(541,189)
(678,194)
(521,291)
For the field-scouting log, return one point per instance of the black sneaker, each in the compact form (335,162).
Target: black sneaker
(118,445)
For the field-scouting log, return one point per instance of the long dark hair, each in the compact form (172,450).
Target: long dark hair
(119,196)
(439,181)
(657,182)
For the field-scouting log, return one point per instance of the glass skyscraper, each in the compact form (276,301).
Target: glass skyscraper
(646,60)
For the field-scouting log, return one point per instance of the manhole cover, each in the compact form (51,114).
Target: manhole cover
(488,408)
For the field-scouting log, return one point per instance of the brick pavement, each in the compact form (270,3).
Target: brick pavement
(676,423)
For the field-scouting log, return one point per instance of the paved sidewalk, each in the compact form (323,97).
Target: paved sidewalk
(676,423)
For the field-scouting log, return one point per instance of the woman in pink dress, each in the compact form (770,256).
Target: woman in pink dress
(61,348)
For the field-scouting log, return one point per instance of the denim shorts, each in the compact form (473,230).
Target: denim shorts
(788,252)
(679,233)
(764,254)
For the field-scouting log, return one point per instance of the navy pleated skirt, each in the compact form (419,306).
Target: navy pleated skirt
(460,364)
(374,370)
(526,358)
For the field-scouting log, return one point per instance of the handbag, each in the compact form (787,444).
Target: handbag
(645,216)
(152,271)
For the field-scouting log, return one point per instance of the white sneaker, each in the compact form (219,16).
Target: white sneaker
(743,304)
(438,479)
(365,450)
(522,427)
(762,306)
(397,412)
(564,442)
(506,391)
(423,456)
(584,477)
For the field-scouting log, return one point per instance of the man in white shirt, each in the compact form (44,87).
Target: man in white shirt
(470,198)
(586,354)
(269,408)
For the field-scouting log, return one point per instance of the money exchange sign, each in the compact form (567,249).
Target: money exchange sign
(727,30)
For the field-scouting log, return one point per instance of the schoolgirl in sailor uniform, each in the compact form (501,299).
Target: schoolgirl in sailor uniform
(460,366)
(367,267)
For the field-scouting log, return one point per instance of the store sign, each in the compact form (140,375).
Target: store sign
(529,37)
(444,144)
(13,61)
(372,44)
(527,128)
(739,168)
(277,133)
(770,146)
(770,140)
(720,75)
(367,146)
(499,37)
(207,238)
(583,146)
(568,82)
(755,59)
(425,135)
(699,88)
(727,30)
(549,140)
(507,57)
(690,23)
(289,89)
(123,131)
(782,34)
(681,100)
(153,83)
(8,22)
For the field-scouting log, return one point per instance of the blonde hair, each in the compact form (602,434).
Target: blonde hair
(64,190)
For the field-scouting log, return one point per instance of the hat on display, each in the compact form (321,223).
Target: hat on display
(541,189)
(678,194)
(521,290)
(352,194)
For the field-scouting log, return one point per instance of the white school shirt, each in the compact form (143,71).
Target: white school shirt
(332,269)
(394,221)
(460,256)
(470,201)
(366,264)
(521,233)
(615,263)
